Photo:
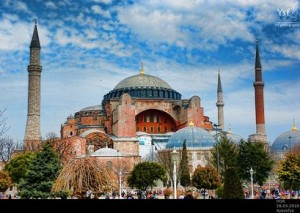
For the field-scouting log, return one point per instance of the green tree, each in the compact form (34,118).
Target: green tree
(18,166)
(145,174)
(288,169)
(43,170)
(5,181)
(224,155)
(253,154)
(206,178)
(232,185)
(185,178)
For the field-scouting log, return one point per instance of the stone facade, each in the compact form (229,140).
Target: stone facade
(32,137)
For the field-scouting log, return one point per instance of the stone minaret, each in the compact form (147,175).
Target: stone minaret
(33,138)
(220,103)
(259,102)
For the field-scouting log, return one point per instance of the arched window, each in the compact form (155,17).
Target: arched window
(190,156)
(71,133)
(198,156)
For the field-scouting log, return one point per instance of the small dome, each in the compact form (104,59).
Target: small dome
(142,81)
(234,137)
(287,140)
(96,107)
(195,137)
(106,152)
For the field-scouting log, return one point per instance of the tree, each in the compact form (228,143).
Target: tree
(7,148)
(43,170)
(185,178)
(145,174)
(253,154)
(18,166)
(288,169)
(164,158)
(232,185)
(224,155)
(205,178)
(5,181)
(61,146)
(83,174)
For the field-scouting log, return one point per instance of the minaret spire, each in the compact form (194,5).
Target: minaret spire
(35,41)
(259,101)
(220,103)
(32,139)
(257,58)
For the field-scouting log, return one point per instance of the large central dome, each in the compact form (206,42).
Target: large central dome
(142,81)
(143,86)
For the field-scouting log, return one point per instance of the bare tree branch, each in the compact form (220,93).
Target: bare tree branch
(84,174)
(7,148)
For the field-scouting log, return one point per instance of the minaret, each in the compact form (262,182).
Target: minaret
(259,102)
(220,103)
(33,138)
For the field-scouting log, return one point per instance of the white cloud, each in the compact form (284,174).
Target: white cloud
(98,10)
(103,1)
(51,5)
(15,34)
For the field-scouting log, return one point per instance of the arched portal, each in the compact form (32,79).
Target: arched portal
(155,121)
(97,140)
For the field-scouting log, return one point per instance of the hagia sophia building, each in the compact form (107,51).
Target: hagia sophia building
(141,115)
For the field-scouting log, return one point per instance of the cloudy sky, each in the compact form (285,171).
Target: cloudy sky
(89,46)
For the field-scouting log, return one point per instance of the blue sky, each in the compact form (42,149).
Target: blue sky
(89,46)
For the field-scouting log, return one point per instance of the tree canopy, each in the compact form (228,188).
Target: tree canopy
(288,169)
(145,174)
(224,155)
(43,170)
(18,166)
(185,178)
(206,178)
(5,181)
(232,185)
(253,154)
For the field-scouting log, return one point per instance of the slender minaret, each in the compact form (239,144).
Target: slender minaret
(259,102)
(33,138)
(220,103)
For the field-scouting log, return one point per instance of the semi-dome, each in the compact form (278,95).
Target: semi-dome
(106,152)
(143,86)
(195,138)
(142,81)
(286,140)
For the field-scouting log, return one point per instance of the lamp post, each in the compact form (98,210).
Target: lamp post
(174,158)
(218,157)
(251,178)
(120,184)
